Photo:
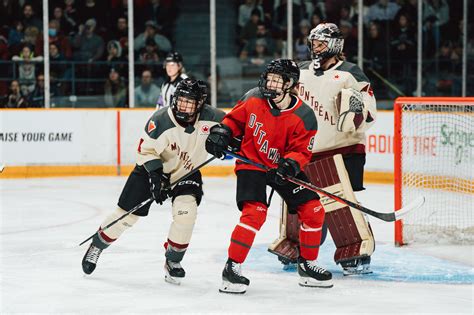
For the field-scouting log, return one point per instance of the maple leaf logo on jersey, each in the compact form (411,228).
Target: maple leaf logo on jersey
(151,126)
(205,129)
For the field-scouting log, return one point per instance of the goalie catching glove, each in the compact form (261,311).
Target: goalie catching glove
(350,107)
(286,167)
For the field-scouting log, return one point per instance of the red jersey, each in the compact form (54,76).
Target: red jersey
(269,133)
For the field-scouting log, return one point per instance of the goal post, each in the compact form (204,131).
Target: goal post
(434,157)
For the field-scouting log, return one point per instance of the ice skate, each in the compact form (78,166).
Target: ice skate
(232,279)
(311,275)
(174,273)
(89,262)
(356,267)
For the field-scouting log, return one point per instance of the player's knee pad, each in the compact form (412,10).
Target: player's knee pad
(184,217)
(254,214)
(311,214)
(113,232)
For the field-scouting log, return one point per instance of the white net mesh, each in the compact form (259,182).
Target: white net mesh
(437,161)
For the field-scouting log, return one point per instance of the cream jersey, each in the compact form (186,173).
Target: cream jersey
(166,144)
(320,91)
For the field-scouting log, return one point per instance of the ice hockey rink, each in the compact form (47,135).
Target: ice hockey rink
(44,220)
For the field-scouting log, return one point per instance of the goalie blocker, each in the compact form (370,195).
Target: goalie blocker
(349,228)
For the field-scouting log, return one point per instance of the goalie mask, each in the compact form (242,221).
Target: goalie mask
(188,100)
(289,72)
(329,35)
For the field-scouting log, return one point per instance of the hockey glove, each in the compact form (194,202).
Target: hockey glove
(286,167)
(218,140)
(159,185)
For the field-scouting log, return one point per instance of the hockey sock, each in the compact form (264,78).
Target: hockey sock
(252,218)
(111,234)
(174,251)
(311,215)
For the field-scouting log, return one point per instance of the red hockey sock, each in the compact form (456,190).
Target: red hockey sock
(311,215)
(252,218)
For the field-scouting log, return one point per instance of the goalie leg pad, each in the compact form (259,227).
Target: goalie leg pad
(348,227)
(184,216)
(253,216)
(113,233)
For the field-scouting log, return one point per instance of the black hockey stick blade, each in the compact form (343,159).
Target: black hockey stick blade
(388,217)
(194,170)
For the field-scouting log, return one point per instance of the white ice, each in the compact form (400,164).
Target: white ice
(44,220)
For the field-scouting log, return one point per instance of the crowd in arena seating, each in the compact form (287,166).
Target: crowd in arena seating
(88,44)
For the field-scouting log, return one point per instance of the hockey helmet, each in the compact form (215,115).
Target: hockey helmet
(331,35)
(174,56)
(188,100)
(287,69)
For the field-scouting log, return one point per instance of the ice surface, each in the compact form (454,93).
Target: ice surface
(43,221)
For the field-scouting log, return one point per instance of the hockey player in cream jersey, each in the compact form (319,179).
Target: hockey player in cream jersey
(172,144)
(344,104)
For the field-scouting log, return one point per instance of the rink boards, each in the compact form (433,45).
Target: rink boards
(98,142)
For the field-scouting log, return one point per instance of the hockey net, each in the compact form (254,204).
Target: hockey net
(433,145)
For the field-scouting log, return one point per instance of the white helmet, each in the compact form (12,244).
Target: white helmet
(331,35)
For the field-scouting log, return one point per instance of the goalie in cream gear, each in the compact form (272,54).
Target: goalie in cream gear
(171,145)
(344,104)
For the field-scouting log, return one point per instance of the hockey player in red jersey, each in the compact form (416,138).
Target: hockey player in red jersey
(277,130)
(171,145)
(342,98)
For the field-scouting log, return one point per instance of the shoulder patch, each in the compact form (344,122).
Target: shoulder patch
(306,114)
(210,113)
(353,69)
(158,123)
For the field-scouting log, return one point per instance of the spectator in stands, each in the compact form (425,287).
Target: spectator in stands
(92,9)
(162,14)
(16,35)
(115,91)
(8,12)
(149,54)
(280,18)
(383,10)
(262,33)
(56,37)
(115,58)
(29,18)
(375,49)
(403,42)
(245,12)
(14,98)
(66,23)
(70,13)
(120,31)
(58,69)
(316,19)
(410,9)
(163,43)
(435,19)
(147,93)
(350,42)
(31,37)
(27,68)
(301,51)
(89,46)
(36,97)
(250,29)
(260,56)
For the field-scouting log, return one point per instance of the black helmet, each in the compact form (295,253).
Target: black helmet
(331,35)
(192,90)
(174,56)
(289,71)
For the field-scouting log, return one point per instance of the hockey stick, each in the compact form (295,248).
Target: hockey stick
(149,199)
(388,217)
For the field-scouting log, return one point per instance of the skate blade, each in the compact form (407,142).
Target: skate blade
(356,272)
(233,288)
(172,280)
(313,283)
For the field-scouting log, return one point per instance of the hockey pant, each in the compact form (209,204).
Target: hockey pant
(349,228)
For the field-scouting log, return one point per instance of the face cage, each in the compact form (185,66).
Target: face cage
(334,47)
(271,94)
(186,117)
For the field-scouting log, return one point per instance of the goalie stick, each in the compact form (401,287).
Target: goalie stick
(388,217)
(149,199)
